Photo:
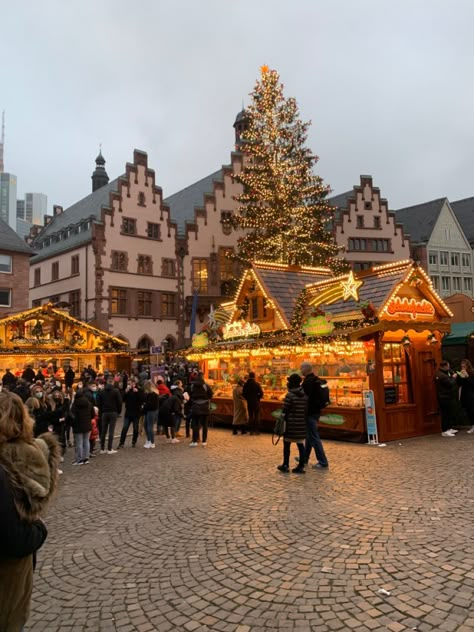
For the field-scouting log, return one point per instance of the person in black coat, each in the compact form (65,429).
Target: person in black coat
(82,411)
(295,407)
(22,389)
(9,380)
(133,399)
(253,393)
(446,392)
(28,375)
(69,377)
(312,386)
(200,395)
(109,402)
(465,380)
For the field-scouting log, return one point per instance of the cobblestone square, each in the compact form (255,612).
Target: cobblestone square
(215,538)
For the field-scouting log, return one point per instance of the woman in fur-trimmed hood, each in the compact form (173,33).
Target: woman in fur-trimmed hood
(28,479)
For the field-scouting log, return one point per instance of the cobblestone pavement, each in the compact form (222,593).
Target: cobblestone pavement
(216,539)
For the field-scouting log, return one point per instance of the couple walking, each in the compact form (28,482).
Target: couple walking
(302,408)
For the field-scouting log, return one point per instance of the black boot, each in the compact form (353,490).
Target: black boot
(283,468)
(299,469)
(234,431)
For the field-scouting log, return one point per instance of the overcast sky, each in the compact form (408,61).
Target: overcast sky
(388,85)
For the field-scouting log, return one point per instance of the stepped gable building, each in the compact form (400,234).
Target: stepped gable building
(112,257)
(14,271)
(464,211)
(438,242)
(369,233)
(203,213)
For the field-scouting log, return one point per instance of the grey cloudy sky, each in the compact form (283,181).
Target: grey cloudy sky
(388,85)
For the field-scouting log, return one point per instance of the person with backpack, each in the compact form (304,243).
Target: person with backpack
(318,397)
(170,408)
(151,404)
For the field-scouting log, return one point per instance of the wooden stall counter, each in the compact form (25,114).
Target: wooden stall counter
(336,422)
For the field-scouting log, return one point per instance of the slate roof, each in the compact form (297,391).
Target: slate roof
(183,203)
(90,206)
(419,220)
(376,289)
(10,241)
(464,211)
(340,202)
(284,286)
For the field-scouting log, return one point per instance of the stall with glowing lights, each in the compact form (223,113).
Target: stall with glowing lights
(377,330)
(47,337)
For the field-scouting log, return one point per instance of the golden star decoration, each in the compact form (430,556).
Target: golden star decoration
(350,288)
(264,69)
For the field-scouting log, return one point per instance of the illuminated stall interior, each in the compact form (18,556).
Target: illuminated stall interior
(380,329)
(46,336)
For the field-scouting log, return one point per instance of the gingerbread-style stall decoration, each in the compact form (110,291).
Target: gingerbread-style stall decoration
(46,335)
(378,330)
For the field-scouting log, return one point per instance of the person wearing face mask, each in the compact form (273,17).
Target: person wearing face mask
(42,413)
(59,410)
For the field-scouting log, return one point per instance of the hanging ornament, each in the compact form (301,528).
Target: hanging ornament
(431,339)
(405,341)
(350,288)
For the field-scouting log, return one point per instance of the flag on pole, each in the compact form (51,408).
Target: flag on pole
(192,324)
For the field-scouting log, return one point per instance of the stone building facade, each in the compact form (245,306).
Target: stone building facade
(14,271)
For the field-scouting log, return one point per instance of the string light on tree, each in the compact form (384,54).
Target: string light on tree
(283,207)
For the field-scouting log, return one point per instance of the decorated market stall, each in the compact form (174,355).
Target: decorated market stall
(46,337)
(378,331)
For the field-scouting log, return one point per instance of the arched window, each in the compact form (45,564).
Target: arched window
(145,342)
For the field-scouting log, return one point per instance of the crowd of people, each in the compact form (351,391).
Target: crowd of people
(38,412)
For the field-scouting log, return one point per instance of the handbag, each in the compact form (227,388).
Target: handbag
(279,429)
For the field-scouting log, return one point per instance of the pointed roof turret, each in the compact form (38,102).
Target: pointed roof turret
(99,176)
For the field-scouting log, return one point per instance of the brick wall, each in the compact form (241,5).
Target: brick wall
(18,282)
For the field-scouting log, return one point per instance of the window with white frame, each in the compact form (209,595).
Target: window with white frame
(467,284)
(435,282)
(466,260)
(433,258)
(455,259)
(5,264)
(457,284)
(445,284)
(443,258)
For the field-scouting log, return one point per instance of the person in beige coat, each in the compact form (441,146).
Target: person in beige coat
(28,479)
(241,416)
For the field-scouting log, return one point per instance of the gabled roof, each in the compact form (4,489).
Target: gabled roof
(284,283)
(464,211)
(88,207)
(419,220)
(48,310)
(378,284)
(376,287)
(183,203)
(340,202)
(10,241)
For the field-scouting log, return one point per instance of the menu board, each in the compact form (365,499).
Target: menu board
(390,394)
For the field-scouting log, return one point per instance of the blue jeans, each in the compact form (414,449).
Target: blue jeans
(313,440)
(81,445)
(151,418)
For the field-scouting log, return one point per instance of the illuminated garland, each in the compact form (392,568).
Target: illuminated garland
(282,207)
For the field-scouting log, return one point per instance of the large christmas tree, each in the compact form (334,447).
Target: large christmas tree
(283,206)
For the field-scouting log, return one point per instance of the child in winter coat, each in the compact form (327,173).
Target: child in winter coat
(94,435)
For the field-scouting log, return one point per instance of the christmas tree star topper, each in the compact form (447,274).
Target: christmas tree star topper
(264,68)
(350,288)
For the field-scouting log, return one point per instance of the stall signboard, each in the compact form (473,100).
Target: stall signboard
(200,340)
(156,350)
(317,326)
(332,419)
(410,308)
(240,329)
(370,417)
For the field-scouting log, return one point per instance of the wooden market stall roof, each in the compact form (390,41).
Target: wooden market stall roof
(45,313)
(280,283)
(344,297)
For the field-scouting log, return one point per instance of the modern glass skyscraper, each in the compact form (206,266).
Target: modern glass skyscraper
(8,199)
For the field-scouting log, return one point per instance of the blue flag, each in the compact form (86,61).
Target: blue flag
(192,324)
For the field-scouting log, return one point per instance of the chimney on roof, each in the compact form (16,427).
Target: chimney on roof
(47,219)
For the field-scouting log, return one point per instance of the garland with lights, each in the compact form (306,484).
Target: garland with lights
(283,207)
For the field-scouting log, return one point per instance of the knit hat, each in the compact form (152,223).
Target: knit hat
(294,380)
